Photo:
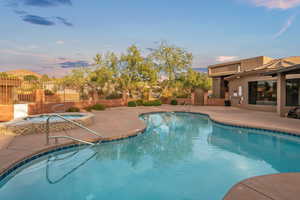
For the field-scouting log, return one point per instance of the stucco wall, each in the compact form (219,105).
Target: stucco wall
(242,101)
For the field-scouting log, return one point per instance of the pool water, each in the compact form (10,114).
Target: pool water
(180,156)
(43,118)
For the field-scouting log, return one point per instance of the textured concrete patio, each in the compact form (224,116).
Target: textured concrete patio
(122,122)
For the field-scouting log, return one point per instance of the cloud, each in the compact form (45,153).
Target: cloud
(74,64)
(226,58)
(276,4)
(60,42)
(40,3)
(285,27)
(64,21)
(20,12)
(38,20)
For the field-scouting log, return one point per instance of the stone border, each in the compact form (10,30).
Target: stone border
(17,164)
(23,127)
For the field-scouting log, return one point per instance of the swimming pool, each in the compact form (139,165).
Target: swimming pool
(179,156)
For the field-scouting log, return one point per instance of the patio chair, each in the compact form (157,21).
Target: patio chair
(294,113)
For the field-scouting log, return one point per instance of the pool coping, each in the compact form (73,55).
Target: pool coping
(6,171)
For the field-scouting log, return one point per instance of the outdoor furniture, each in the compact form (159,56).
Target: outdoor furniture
(294,113)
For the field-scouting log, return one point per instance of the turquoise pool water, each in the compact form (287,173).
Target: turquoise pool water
(180,156)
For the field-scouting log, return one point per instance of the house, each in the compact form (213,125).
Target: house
(20,73)
(260,83)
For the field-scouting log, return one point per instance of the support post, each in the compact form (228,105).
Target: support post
(281,94)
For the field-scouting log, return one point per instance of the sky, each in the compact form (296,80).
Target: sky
(54,36)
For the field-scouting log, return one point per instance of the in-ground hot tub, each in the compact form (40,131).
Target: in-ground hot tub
(37,123)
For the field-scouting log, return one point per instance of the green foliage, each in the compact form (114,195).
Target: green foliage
(174,102)
(138,75)
(30,78)
(132,104)
(183,96)
(114,96)
(89,109)
(73,109)
(98,107)
(3,75)
(48,92)
(139,102)
(152,103)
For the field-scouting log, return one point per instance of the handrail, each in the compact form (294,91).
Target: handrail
(69,137)
(68,173)
(70,121)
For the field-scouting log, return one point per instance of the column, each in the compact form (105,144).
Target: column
(281,94)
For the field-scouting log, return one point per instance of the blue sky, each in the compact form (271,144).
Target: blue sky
(53,35)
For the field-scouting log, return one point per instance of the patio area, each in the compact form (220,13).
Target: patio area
(122,122)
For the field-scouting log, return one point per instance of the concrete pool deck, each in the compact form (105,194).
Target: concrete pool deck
(122,122)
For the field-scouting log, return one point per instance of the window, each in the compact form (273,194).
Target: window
(293,92)
(262,92)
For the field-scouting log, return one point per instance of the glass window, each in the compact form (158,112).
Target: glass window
(262,92)
(292,92)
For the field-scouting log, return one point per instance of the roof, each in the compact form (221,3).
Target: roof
(285,70)
(234,62)
(22,73)
(272,66)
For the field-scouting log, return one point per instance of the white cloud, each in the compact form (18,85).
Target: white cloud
(60,42)
(226,58)
(285,27)
(276,4)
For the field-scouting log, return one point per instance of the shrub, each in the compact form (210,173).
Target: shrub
(139,102)
(131,104)
(114,96)
(152,103)
(98,107)
(73,109)
(174,102)
(183,96)
(48,92)
(89,109)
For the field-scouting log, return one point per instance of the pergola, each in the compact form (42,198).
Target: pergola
(281,84)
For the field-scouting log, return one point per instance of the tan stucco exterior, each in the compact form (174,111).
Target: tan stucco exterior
(233,78)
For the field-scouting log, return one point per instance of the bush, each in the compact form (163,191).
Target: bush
(174,102)
(73,109)
(95,107)
(98,107)
(139,102)
(89,109)
(114,96)
(153,103)
(48,92)
(131,104)
(184,96)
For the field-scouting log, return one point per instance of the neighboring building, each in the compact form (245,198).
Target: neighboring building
(259,83)
(23,72)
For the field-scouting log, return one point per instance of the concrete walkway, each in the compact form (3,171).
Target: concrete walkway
(122,122)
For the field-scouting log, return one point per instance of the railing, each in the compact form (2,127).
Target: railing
(68,173)
(68,137)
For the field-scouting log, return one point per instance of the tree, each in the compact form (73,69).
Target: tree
(172,61)
(192,80)
(30,78)
(105,76)
(139,74)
